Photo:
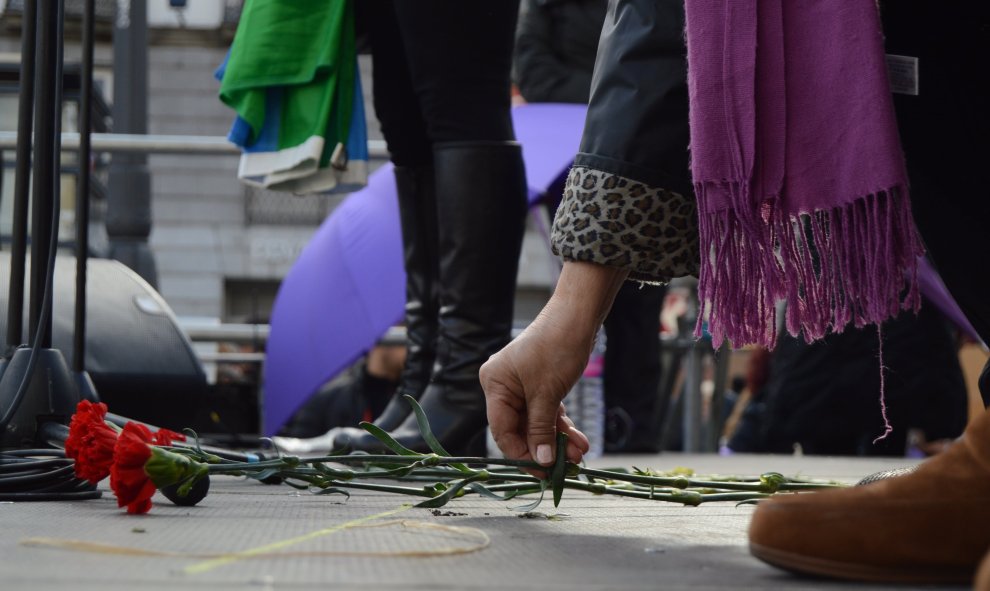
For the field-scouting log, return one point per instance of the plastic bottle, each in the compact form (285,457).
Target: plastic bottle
(585,403)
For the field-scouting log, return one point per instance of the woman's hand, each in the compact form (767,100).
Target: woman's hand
(526,381)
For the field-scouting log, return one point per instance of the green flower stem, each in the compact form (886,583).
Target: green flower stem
(402,490)
(426,460)
(796,486)
(228,466)
(680,482)
(641,485)
(683,482)
(513,487)
(427,473)
(440,460)
(679,496)
(446,478)
(732,496)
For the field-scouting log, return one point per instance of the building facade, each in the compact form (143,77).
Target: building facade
(221,248)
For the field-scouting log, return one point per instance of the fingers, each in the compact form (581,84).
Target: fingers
(577,437)
(524,409)
(541,428)
(521,426)
(505,421)
(577,442)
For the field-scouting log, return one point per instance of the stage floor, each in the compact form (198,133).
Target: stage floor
(246,535)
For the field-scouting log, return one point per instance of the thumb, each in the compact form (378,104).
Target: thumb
(541,430)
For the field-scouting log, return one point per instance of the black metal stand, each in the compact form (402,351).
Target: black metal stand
(22,179)
(83,382)
(36,384)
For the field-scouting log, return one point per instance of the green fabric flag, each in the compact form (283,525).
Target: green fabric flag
(291,77)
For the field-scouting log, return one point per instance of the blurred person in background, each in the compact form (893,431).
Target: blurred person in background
(821,397)
(359,394)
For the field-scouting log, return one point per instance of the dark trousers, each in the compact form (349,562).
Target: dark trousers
(632,369)
(944,131)
(441,71)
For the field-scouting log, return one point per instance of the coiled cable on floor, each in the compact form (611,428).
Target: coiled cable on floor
(41,475)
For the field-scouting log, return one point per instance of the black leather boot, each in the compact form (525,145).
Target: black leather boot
(481,200)
(418,218)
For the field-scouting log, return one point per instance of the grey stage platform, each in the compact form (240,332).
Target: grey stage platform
(601,542)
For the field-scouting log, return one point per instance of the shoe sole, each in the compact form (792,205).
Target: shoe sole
(806,565)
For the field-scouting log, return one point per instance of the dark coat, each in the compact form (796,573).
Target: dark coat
(556,42)
(345,401)
(637,124)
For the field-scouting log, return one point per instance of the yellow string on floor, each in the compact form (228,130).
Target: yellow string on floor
(479,541)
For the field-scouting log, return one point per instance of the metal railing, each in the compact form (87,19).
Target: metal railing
(161,144)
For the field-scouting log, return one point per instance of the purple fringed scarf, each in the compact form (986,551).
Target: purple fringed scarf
(801,185)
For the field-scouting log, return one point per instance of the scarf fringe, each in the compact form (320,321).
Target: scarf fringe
(855,263)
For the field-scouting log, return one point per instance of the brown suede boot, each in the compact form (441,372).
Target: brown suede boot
(982,582)
(929,526)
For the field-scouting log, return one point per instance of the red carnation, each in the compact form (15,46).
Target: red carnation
(91,441)
(128,479)
(165,437)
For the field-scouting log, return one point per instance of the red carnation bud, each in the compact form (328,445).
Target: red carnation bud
(140,468)
(129,481)
(165,437)
(91,441)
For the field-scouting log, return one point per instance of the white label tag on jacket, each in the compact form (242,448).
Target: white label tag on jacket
(903,73)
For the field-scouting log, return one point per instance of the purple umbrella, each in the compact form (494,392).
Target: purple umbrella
(931,286)
(348,285)
(550,134)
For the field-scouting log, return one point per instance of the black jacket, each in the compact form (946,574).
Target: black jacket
(556,42)
(345,401)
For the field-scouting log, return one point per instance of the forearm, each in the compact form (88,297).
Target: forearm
(582,298)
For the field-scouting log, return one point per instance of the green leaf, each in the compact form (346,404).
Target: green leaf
(452,490)
(522,491)
(333,491)
(402,471)
(559,470)
(263,474)
(189,433)
(424,427)
(289,482)
(427,433)
(333,472)
(530,506)
(483,491)
(386,439)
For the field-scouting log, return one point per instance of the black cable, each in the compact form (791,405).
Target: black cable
(44,323)
(23,478)
(22,175)
(21,464)
(62,496)
(41,475)
(82,199)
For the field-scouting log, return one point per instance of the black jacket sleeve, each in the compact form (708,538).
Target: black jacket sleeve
(637,123)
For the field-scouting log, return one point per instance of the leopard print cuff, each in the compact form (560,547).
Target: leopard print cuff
(615,221)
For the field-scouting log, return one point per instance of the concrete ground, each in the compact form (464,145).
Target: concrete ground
(246,535)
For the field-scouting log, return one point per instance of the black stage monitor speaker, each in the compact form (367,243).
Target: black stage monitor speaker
(142,365)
